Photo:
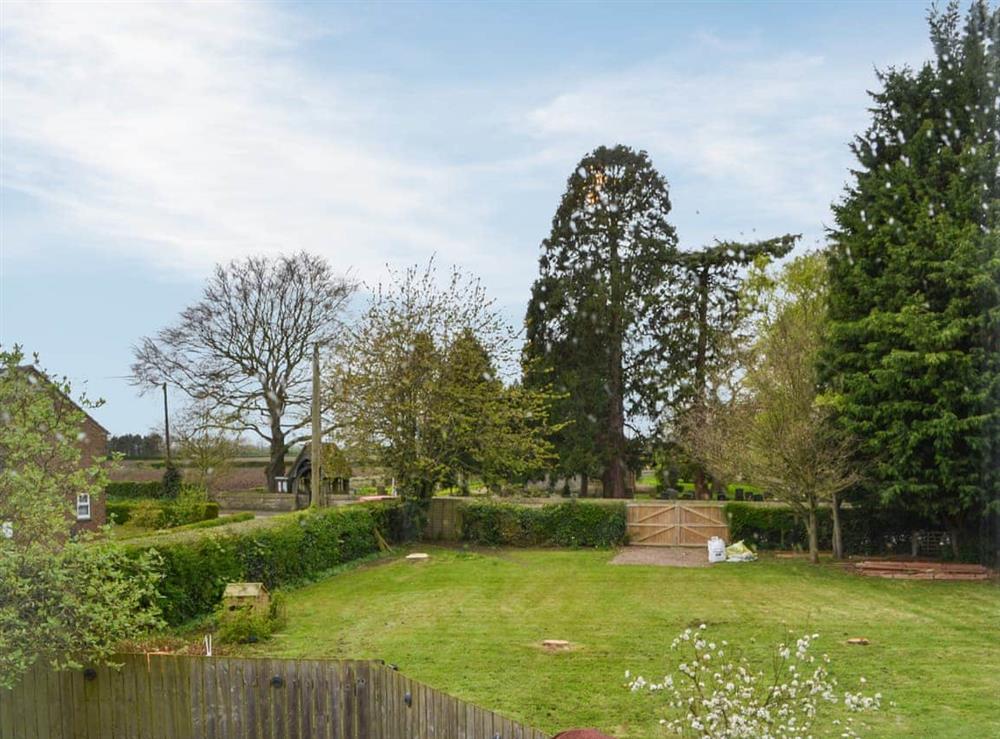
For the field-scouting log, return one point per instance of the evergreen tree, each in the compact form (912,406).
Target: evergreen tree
(913,361)
(609,250)
(703,325)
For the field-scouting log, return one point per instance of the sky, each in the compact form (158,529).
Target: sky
(142,143)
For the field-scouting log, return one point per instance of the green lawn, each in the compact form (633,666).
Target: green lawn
(470,624)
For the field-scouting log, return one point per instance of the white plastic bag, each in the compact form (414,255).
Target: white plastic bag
(716,550)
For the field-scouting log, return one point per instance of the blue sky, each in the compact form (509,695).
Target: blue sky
(142,143)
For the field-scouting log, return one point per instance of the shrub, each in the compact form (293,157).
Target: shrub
(147,514)
(172,481)
(863,530)
(570,524)
(195,572)
(130,490)
(156,514)
(209,523)
(244,624)
(721,696)
(773,527)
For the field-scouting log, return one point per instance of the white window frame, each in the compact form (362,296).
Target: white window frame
(83,503)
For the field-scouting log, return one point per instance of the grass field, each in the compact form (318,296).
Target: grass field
(470,623)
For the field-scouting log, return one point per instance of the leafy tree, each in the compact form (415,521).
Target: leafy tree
(913,361)
(705,325)
(417,377)
(609,250)
(245,348)
(775,430)
(61,601)
(207,450)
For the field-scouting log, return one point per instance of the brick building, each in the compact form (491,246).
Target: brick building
(88,511)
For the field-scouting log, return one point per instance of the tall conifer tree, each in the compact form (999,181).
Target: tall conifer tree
(914,358)
(609,250)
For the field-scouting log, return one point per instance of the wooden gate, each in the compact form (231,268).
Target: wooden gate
(676,524)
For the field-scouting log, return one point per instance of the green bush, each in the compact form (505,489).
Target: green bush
(157,514)
(772,527)
(148,514)
(130,490)
(570,524)
(173,479)
(243,624)
(220,521)
(864,530)
(195,572)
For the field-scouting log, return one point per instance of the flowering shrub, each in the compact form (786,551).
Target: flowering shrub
(722,698)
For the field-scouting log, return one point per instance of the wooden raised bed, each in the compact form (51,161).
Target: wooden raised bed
(921,570)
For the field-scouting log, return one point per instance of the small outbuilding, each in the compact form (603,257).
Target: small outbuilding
(250,596)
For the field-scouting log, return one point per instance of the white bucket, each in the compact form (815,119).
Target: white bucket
(716,550)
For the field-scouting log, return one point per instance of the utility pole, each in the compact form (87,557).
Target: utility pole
(316,445)
(166,423)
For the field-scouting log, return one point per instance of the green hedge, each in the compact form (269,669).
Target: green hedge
(571,524)
(130,490)
(196,571)
(863,530)
(171,514)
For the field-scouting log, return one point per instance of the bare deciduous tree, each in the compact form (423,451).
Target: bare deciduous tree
(775,431)
(204,444)
(244,349)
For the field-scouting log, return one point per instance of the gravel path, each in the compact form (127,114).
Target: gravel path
(663,556)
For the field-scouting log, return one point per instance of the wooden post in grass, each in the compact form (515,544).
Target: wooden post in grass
(316,451)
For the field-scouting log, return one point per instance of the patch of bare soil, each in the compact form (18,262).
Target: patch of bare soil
(663,556)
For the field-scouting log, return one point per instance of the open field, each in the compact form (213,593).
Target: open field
(470,623)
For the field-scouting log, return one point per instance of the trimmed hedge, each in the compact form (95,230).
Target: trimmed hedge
(570,524)
(195,572)
(130,490)
(171,513)
(863,531)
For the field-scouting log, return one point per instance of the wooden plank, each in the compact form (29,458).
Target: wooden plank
(203,710)
(116,703)
(251,682)
(35,695)
(304,703)
(105,700)
(236,698)
(144,696)
(6,713)
(54,708)
(75,712)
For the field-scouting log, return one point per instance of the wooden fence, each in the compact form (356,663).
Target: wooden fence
(169,697)
(676,524)
(443,520)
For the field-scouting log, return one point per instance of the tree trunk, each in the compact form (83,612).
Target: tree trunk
(813,534)
(584,484)
(838,546)
(614,472)
(276,465)
(701,489)
(953,534)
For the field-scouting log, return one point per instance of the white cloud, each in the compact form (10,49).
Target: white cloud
(758,138)
(193,133)
(189,132)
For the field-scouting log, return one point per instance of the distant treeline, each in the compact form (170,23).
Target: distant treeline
(151,446)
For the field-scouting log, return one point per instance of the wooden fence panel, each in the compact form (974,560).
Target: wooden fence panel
(152,696)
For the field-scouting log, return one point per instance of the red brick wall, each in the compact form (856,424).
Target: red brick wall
(93,445)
